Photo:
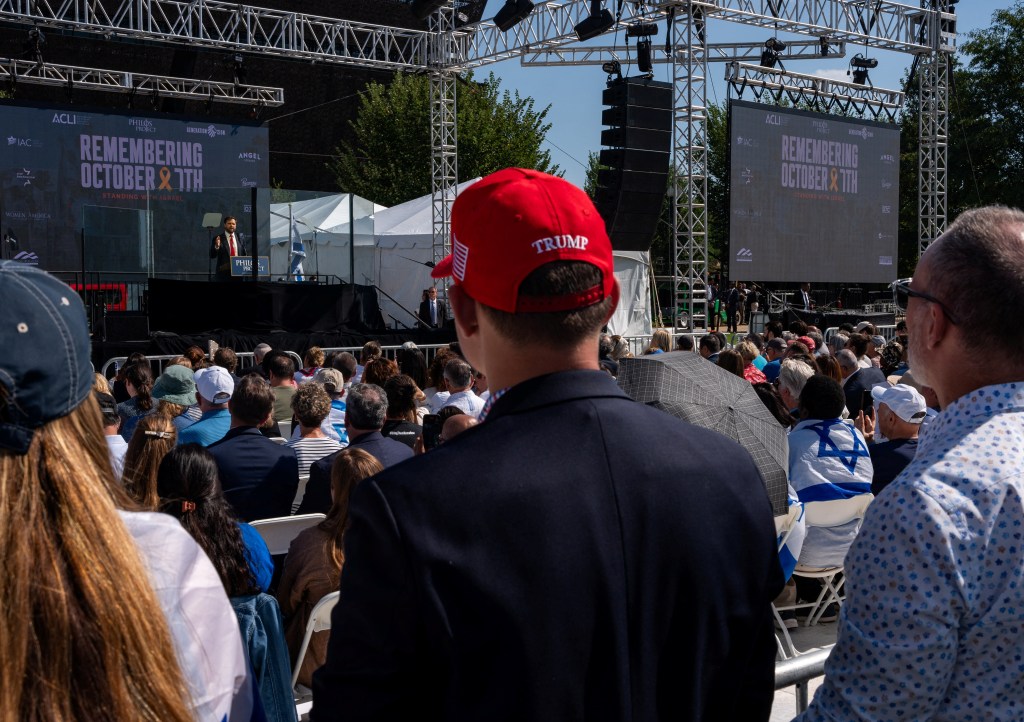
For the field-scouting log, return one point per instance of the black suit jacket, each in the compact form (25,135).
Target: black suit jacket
(424,314)
(317,498)
(259,477)
(577,556)
(223,254)
(855,386)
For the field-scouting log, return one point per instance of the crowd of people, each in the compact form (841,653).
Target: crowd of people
(512,536)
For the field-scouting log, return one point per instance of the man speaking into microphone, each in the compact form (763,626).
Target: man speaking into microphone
(226,245)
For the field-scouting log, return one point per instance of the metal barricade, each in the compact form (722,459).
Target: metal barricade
(798,671)
(246,359)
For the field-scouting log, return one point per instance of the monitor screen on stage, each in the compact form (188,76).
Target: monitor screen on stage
(813,197)
(128,189)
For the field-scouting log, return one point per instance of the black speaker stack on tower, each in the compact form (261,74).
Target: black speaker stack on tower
(636,156)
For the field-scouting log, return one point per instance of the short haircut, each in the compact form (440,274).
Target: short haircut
(279,365)
(226,358)
(311,404)
(846,328)
(822,398)
(847,359)
(755,338)
(458,373)
(252,401)
(976,268)
(793,374)
(366,406)
(684,343)
(901,325)
(401,391)
(261,350)
(560,329)
(379,370)
(858,343)
(748,351)
(346,363)
(711,343)
(838,342)
(371,350)
(449,411)
(775,327)
(819,340)
(229,218)
(798,327)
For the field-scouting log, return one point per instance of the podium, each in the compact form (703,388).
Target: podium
(241,266)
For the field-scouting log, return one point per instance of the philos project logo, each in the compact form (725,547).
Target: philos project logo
(208,130)
(744,255)
(821,126)
(142,125)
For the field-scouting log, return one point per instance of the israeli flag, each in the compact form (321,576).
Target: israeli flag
(791,536)
(297,253)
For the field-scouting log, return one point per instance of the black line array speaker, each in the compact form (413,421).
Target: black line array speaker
(636,155)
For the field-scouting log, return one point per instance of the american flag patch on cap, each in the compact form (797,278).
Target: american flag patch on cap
(460,254)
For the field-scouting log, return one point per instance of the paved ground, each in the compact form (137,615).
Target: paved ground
(805,639)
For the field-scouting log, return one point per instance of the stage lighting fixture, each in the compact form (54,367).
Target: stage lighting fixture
(238,69)
(423,9)
(512,13)
(859,61)
(773,47)
(861,65)
(600,20)
(643,56)
(34,45)
(641,30)
(612,67)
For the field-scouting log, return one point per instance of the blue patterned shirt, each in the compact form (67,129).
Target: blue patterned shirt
(933,624)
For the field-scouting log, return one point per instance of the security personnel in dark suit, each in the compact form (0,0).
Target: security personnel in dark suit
(258,476)
(574,556)
(225,246)
(431,312)
(366,408)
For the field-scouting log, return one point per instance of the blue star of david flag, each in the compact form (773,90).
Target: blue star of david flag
(828,459)
(298,252)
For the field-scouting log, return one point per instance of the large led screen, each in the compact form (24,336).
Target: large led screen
(130,189)
(813,197)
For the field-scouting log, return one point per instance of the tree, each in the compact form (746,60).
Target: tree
(388,158)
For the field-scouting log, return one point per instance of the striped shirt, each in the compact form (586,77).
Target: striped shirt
(311,450)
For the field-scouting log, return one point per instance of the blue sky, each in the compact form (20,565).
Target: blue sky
(574,93)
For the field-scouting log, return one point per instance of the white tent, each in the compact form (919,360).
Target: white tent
(323,224)
(404,243)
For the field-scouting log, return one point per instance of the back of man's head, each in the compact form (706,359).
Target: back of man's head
(822,398)
(458,374)
(252,402)
(847,361)
(777,346)
(533,252)
(684,342)
(793,374)
(346,363)
(226,358)
(798,327)
(709,342)
(260,351)
(366,407)
(975,269)
(858,343)
(279,365)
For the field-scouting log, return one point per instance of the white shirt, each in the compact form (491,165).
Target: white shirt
(202,623)
(467,401)
(118,447)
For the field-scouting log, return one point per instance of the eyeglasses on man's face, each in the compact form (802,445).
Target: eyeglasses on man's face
(901,293)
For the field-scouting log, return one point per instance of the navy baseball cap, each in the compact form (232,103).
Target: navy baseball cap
(44,365)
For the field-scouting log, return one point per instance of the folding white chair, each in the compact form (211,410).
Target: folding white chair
(319,621)
(286,429)
(300,492)
(784,526)
(279,531)
(829,514)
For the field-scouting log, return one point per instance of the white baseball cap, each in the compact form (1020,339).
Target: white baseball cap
(903,400)
(215,384)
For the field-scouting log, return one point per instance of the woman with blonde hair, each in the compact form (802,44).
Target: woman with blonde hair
(661,342)
(154,436)
(107,613)
(313,566)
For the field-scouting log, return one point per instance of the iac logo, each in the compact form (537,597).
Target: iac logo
(22,142)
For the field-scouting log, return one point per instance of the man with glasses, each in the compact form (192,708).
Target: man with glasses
(931,627)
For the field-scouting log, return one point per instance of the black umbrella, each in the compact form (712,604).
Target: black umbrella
(691,388)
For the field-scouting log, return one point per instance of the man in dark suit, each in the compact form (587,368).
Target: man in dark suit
(258,476)
(802,298)
(543,564)
(432,313)
(366,407)
(857,381)
(225,246)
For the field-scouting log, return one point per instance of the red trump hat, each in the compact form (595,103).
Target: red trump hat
(511,223)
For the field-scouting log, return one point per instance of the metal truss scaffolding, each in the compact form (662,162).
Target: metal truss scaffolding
(546,37)
(690,166)
(14,71)
(933,131)
(444,140)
